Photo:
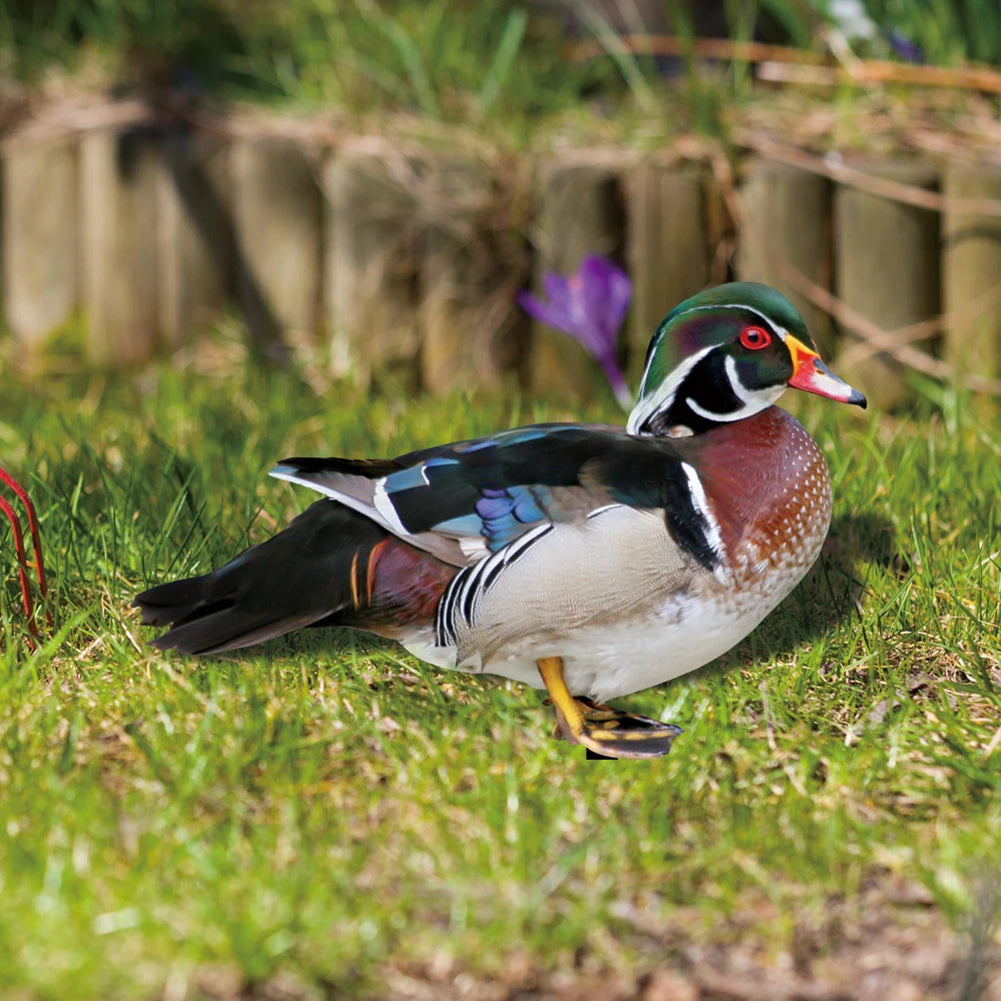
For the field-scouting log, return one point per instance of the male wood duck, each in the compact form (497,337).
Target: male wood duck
(591,560)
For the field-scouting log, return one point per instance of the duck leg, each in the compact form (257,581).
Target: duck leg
(600,728)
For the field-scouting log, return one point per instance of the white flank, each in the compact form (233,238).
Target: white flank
(602,510)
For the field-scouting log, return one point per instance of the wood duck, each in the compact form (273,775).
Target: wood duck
(590,560)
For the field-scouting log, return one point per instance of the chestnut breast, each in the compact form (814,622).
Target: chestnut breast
(768,485)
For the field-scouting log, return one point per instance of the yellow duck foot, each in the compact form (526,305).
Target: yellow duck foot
(604,731)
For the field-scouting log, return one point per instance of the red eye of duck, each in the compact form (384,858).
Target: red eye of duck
(755,338)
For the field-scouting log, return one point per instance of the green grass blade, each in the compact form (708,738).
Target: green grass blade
(503,61)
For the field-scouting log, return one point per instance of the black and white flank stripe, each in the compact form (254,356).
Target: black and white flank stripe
(458,604)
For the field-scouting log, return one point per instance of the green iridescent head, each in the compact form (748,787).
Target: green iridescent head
(726,354)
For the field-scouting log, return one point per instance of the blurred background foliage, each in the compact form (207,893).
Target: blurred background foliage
(447,57)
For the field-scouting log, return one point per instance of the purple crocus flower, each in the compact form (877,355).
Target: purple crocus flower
(904,47)
(589,306)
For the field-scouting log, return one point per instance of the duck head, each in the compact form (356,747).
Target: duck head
(726,354)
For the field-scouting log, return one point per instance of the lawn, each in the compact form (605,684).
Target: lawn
(326,817)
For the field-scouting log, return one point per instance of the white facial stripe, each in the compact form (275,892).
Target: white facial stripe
(739,389)
(768,321)
(763,401)
(665,392)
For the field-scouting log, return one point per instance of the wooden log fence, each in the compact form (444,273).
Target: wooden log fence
(971,270)
(668,246)
(465,341)
(787,217)
(370,253)
(118,260)
(194,235)
(887,265)
(39,239)
(276,217)
(405,260)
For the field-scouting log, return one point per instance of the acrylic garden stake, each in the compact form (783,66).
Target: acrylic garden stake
(589,306)
(19,551)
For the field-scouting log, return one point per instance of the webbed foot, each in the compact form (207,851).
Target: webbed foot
(604,731)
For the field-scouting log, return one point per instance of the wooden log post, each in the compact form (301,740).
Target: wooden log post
(787,223)
(370,261)
(971,271)
(40,252)
(580,212)
(886,268)
(277,209)
(721,230)
(118,182)
(666,247)
(194,234)
(471,331)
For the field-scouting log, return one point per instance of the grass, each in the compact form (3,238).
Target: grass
(443,58)
(325,812)
(497,67)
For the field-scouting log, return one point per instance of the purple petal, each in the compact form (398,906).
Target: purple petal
(590,336)
(609,291)
(528,302)
(558,291)
(561,311)
(589,306)
(904,47)
(620,292)
(578,318)
(544,312)
(596,270)
(565,310)
(592,294)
